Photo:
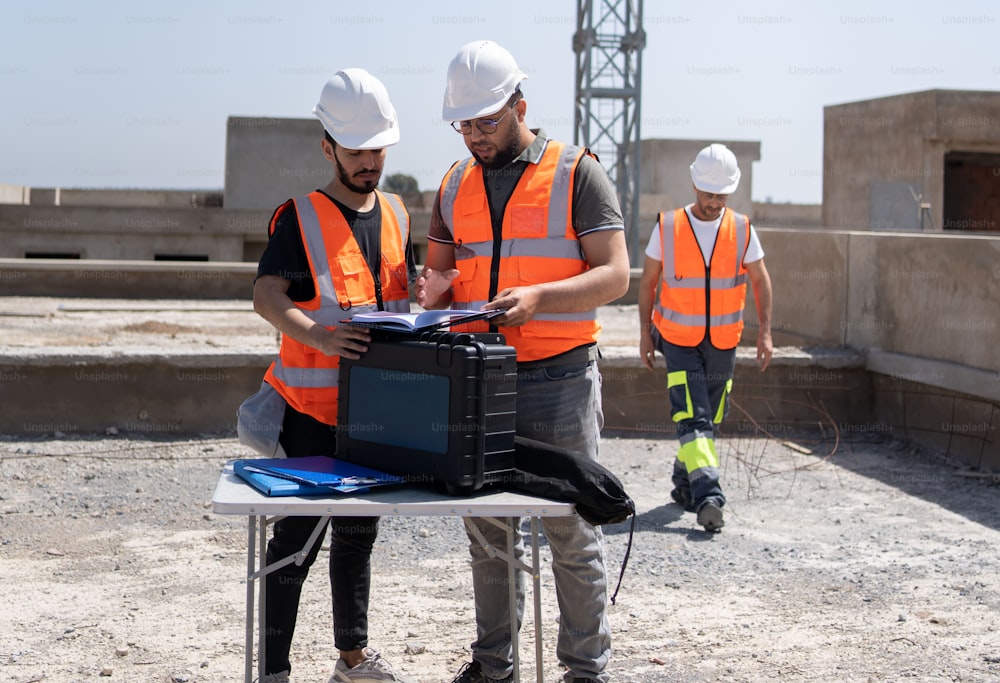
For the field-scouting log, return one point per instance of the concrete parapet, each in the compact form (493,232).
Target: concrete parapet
(88,232)
(825,388)
(964,429)
(157,393)
(14,194)
(104,198)
(152,394)
(126,279)
(160,393)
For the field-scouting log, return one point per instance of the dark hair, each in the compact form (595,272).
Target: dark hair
(329,138)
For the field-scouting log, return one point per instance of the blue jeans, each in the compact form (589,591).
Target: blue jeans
(558,405)
(698,382)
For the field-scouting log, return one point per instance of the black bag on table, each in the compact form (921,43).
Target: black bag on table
(553,472)
(559,473)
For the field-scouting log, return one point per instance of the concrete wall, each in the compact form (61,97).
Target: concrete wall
(132,233)
(765,215)
(119,279)
(140,232)
(883,157)
(894,333)
(930,296)
(14,194)
(269,160)
(177,199)
(144,395)
(800,390)
(966,429)
(666,171)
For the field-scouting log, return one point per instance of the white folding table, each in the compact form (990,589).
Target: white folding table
(234,497)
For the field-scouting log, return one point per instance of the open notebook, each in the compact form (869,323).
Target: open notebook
(424,321)
(310,476)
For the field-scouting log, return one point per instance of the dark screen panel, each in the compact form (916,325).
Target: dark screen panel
(399,408)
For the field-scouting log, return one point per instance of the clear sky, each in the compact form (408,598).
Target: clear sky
(136,94)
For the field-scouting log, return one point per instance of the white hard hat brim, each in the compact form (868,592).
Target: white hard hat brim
(450,114)
(719,189)
(381,139)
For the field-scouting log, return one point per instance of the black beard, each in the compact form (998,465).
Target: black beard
(506,152)
(366,187)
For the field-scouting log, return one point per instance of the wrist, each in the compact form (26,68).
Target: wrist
(443,300)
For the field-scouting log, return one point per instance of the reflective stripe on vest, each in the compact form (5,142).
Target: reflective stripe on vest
(313,378)
(538,245)
(304,376)
(680,314)
(312,238)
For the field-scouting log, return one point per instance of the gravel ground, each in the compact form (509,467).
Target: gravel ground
(840,561)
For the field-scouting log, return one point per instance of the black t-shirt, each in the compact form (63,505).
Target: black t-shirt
(285,254)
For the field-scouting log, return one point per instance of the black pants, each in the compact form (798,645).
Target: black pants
(351,544)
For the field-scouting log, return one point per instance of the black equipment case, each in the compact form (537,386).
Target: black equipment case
(438,407)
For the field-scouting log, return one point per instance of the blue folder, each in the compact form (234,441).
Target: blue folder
(310,476)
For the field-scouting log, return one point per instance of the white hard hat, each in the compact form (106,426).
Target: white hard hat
(355,110)
(481,78)
(715,170)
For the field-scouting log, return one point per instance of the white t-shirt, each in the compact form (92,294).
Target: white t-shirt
(705,231)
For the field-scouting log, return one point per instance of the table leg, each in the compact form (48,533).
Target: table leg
(515,643)
(536,586)
(514,564)
(257,551)
(248,637)
(262,592)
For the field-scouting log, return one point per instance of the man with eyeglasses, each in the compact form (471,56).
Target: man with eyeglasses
(531,226)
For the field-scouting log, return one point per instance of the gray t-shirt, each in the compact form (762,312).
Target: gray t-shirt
(595,202)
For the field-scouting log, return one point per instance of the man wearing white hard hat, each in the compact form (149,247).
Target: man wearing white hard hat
(532,226)
(700,257)
(342,249)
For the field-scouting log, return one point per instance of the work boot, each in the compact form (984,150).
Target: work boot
(710,517)
(279,677)
(683,498)
(473,673)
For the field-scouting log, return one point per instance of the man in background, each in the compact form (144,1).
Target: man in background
(700,257)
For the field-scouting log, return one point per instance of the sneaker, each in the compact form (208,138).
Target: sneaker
(472,673)
(683,498)
(710,517)
(374,669)
(280,677)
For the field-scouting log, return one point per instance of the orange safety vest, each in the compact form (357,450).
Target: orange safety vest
(306,377)
(695,301)
(538,244)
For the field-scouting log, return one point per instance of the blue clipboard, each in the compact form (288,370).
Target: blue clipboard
(310,476)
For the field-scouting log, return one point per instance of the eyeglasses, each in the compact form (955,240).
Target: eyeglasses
(486,126)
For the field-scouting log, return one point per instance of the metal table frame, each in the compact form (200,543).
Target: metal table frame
(234,497)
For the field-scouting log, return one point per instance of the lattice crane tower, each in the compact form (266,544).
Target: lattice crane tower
(608,44)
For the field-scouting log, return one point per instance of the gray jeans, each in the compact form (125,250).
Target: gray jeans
(558,405)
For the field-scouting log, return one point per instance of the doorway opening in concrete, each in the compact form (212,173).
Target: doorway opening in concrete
(52,254)
(179,257)
(971,191)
